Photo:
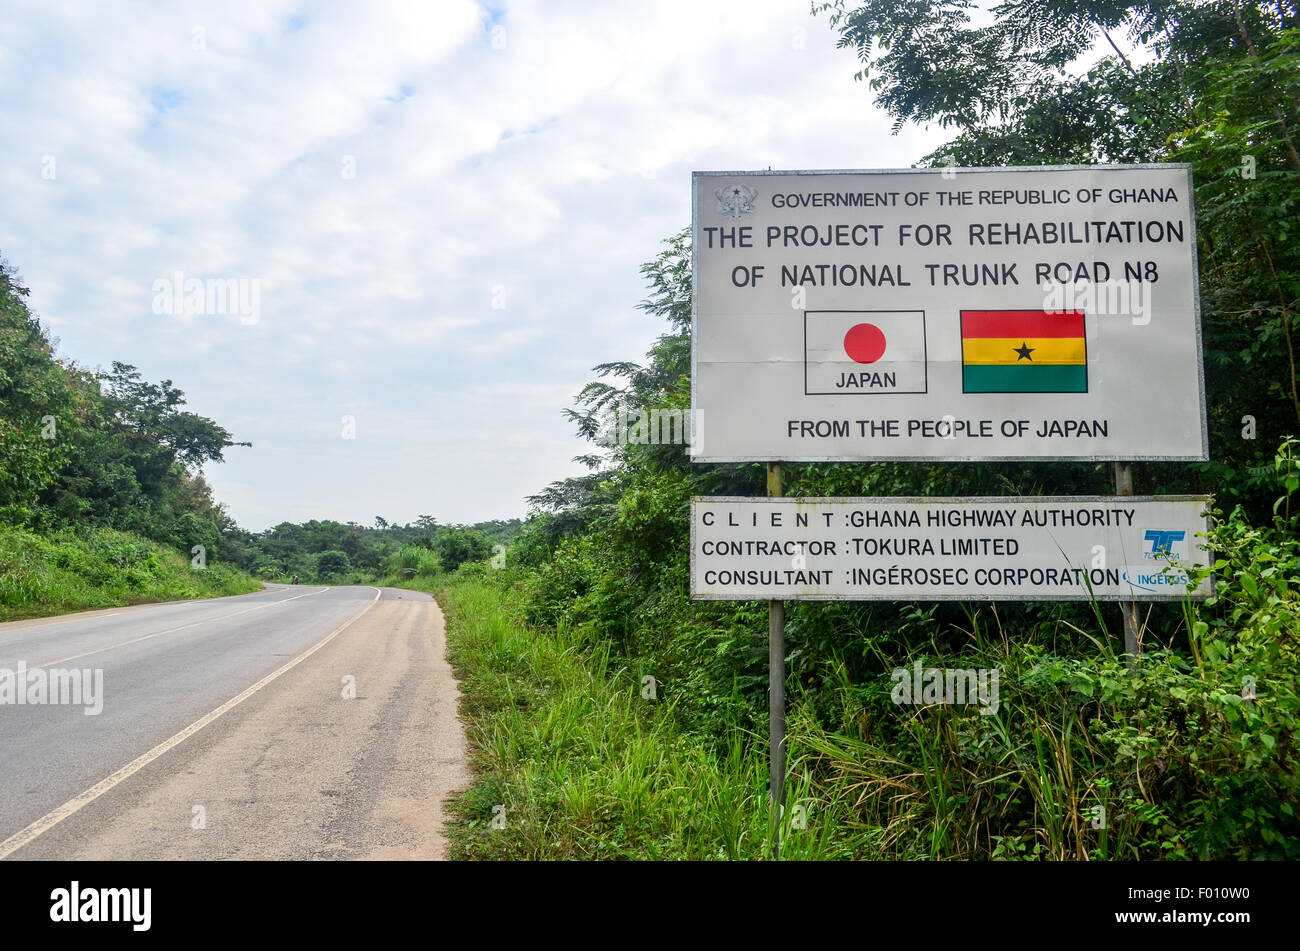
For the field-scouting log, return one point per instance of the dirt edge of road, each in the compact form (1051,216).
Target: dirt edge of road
(350,755)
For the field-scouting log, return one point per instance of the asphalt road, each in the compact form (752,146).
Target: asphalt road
(293,723)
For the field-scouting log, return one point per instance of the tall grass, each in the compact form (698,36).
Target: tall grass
(70,571)
(574,763)
(1188,752)
(1085,758)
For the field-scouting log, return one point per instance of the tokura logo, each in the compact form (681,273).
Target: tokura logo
(1162,542)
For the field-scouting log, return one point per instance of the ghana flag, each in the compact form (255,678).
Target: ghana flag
(1023,351)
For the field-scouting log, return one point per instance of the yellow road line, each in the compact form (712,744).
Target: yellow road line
(47,822)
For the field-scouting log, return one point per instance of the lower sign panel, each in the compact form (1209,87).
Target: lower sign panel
(935,549)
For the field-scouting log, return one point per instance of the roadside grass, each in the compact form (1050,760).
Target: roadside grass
(1188,753)
(42,575)
(573,763)
(1084,758)
(431,585)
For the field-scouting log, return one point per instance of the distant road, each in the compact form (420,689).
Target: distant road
(294,723)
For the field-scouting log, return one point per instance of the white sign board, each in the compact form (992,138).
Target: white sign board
(939,549)
(1018,313)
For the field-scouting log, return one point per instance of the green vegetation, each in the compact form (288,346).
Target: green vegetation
(329,552)
(580,765)
(100,568)
(1190,755)
(103,501)
(1189,752)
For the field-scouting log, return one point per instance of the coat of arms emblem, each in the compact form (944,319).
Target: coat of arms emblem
(735,200)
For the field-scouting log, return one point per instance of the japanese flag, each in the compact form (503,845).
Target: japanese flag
(864,351)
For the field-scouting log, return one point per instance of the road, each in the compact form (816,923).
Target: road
(292,723)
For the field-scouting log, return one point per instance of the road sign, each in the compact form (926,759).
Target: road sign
(939,549)
(1017,313)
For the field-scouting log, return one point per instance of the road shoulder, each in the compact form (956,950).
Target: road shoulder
(350,755)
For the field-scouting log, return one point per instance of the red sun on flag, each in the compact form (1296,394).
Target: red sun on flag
(864,351)
(864,343)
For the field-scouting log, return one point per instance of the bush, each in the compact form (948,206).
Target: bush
(411,561)
(100,568)
(1191,753)
(456,545)
(332,564)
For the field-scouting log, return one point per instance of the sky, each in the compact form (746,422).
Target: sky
(426,219)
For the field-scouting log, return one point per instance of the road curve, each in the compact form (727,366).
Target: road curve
(293,723)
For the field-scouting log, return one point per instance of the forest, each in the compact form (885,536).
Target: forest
(103,499)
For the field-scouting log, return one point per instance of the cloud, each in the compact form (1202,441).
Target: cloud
(444,207)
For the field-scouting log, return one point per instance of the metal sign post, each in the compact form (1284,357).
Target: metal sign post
(776,690)
(1129,609)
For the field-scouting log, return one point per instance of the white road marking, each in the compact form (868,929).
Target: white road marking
(170,630)
(47,822)
(44,623)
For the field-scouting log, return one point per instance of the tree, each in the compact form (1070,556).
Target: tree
(332,564)
(456,545)
(1214,83)
(38,401)
(152,413)
(1006,90)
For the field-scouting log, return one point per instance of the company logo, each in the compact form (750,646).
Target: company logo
(1162,542)
(735,200)
(1162,581)
(656,426)
(78,904)
(235,296)
(53,686)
